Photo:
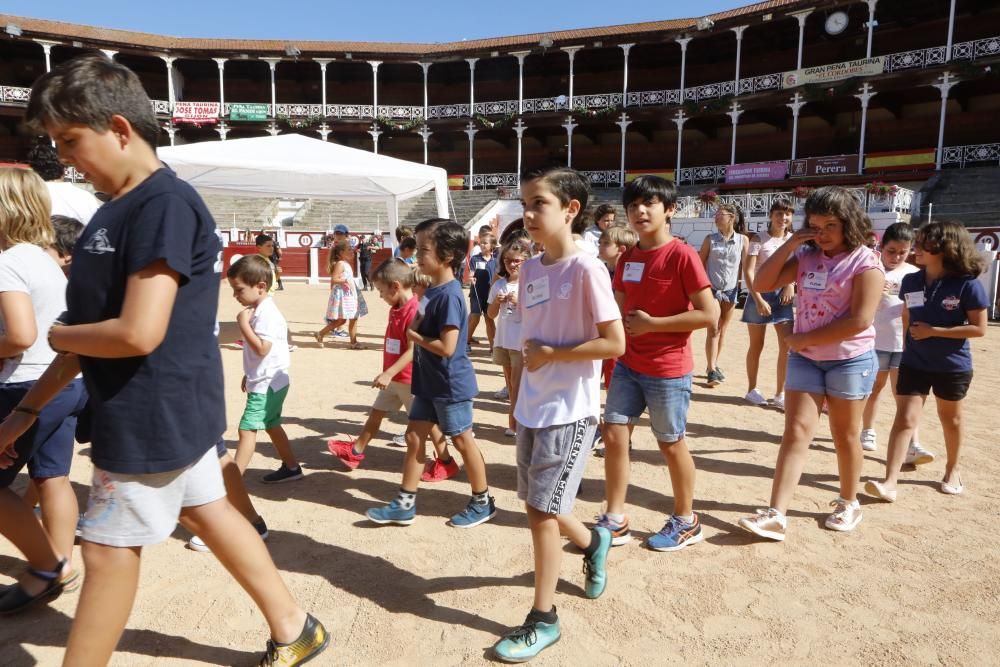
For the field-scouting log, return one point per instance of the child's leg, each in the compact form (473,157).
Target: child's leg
(245,448)
(893,379)
(845,423)
(783,330)
(801,418)
(413,463)
(754,350)
(352,330)
(547,549)
(330,326)
(682,473)
(475,464)
(725,317)
(60,512)
(369,430)
(491,330)
(236,490)
(516,368)
(440,444)
(473,323)
(616,466)
(712,345)
(908,410)
(510,393)
(950,414)
(105,603)
(30,496)
(241,551)
(19,525)
(871,405)
(280,441)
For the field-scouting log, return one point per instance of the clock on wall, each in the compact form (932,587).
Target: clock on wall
(836,23)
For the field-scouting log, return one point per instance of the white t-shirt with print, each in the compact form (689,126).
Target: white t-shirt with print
(271,370)
(508,335)
(28,269)
(889,316)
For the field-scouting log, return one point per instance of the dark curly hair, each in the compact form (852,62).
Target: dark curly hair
(841,204)
(953,241)
(44,159)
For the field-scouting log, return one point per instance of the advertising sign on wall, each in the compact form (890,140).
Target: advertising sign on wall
(834,72)
(756,171)
(196,113)
(825,166)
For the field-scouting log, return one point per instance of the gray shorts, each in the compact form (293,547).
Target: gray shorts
(138,510)
(550,464)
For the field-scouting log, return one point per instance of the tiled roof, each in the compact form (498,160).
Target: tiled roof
(139,41)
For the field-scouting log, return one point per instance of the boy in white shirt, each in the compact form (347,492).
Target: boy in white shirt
(265,365)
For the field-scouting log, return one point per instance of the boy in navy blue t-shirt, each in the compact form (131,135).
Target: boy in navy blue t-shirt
(142,302)
(484,268)
(444,382)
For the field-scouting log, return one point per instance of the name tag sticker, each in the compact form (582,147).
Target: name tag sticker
(633,272)
(537,292)
(815,280)
(480,266)
(914,299)
(392,346)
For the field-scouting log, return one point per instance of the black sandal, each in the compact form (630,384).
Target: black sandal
(15,599)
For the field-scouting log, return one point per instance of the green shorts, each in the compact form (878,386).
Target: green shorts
(263,411)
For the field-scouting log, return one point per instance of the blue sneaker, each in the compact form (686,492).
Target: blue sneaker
(524,643)
(392,513)
(676,535)
(596,567)
(474,514)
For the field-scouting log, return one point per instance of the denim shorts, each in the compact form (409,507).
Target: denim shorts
(726,295)
(452,418)
(667,399)
(887,360)
(851,379)
(780,312)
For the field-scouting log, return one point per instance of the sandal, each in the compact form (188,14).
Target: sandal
(16,599)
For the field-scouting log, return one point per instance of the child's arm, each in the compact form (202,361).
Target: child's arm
(442,347)
(609,344)
(259,345)
(139,329)
(976,328)
(383,379)
(60,373)
(706,311)
(782,266)
(494,301)
(866,292)
(749,272)
(18,316)
(706,247)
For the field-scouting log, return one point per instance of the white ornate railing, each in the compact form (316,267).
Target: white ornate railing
(603,179)
(448,111)
(491,181)
(14,95)
(962,155)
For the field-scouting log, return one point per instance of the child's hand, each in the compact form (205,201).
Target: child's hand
(381,380)
(536,354)
(512,298)
(921,330)
(797,342)
(413,336)
(801,236)
(243,384)
(787,293)
(638,322)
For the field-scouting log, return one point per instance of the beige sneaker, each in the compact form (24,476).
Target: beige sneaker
(769,523)
(917,455)
(846,515)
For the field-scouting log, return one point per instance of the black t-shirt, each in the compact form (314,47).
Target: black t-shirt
(163,411)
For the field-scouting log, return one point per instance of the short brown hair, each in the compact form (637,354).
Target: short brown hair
(24,208)
(394,270)
(620,235)
(252,269)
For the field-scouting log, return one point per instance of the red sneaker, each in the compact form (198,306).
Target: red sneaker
(344,450)
(436,471)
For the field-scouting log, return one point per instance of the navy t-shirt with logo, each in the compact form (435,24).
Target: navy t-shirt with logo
(946,304)
(449,379)
(163,411)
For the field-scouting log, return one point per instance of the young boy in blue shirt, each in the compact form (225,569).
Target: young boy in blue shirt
(142,301)
(444,382)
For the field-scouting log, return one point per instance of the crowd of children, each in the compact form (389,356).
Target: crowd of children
(567,305)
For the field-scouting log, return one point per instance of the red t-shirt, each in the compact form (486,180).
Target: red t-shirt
(659,283)
(395,338)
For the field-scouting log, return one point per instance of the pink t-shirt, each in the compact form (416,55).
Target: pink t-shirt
(561,305)
(825,287)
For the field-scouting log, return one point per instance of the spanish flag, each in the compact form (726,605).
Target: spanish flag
(900,160)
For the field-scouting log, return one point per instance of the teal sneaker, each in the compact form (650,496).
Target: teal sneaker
(524,643)
(392,513)
(596,567)
(475,514)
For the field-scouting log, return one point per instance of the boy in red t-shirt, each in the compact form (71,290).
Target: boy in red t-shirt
(394,280)
(664,295)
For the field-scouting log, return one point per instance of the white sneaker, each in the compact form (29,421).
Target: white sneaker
(398,440)
(846,515)
(917,455)
(868,440)
(769,523)
(502,395)
(509,432)
(755,397)
(779,401)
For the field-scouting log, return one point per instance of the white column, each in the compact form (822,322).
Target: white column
(470,130)
(323,62)
(472,85)
(865,96)
(626,48)
(169,60)
(739,52)
(376,133)
(223,130)
(623,122)
(109,53)
(47,48)
(272,129)
(801,16)
(426,68)
(946,82)
(272,63)
(375,64)
(734,113)
(324,130)
(871,25)
(569,125)
(221,62)
(425,134)
(170,130)
(795,105)
(520,55)
(683,41)
(519,127)
(951,32)
(679,120)
(571,52)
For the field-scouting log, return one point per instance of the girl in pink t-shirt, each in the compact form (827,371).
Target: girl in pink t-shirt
(831,354)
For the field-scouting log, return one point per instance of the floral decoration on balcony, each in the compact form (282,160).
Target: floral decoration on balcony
(881,190)
(802,191)
(486,124)
(717,105)
(581,111)
(300,122)
(390,125)
(708,197)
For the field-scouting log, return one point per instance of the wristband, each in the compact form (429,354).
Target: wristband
(26,410)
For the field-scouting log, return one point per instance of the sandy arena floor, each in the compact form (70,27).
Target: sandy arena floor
(917,583)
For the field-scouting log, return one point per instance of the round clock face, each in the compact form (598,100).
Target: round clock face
(836,23)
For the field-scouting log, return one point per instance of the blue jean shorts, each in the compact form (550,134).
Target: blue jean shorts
(851,379)
(780,312)
(887,360)
(726,295)
(452,418)
(667,399)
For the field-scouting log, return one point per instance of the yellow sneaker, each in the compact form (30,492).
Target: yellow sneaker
(313,641)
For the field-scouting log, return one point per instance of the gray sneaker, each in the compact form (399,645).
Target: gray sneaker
(714,378)
(283,474)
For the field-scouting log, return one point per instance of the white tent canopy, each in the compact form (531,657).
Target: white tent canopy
(295,166)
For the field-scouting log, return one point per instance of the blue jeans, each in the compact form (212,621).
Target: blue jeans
(667,399)
(452,418)
(852,379)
